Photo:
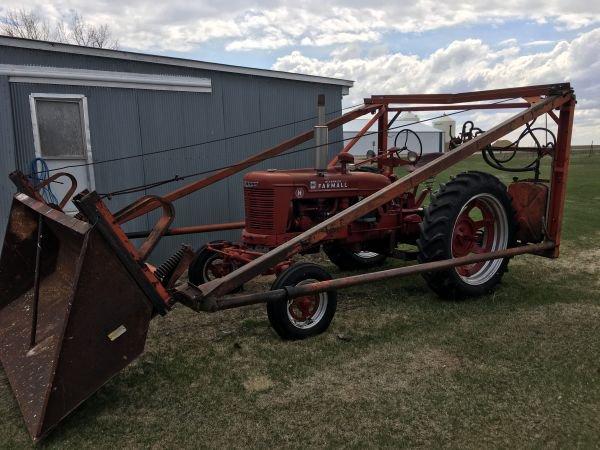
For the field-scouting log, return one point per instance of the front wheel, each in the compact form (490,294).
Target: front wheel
(302,317)
(209,264)
(471,214)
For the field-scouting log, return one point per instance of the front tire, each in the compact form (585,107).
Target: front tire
(302,317)
(208,265)
(469,215)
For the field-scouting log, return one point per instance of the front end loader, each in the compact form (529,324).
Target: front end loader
(78,295)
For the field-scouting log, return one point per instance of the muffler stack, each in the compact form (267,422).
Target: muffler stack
(88,322)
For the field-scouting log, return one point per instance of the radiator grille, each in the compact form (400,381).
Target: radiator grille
(260,208)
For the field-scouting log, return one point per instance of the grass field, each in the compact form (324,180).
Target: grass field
(399,367)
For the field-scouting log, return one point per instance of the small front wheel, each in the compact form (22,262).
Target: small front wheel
(302,317)
(209,264)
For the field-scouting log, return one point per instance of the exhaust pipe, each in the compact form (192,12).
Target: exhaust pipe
(321,137)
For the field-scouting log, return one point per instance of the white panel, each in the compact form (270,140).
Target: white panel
(82,77)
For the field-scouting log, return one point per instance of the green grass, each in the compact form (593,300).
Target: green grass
(518,368)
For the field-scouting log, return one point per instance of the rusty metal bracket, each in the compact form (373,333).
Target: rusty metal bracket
(493,94)
(161,226)
(24,185)
(70,192)
(91,206)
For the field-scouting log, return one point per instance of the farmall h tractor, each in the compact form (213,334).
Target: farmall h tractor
(471,214)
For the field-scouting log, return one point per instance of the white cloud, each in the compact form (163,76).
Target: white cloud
(508,42)
(470,64)
(571,21)
(358,38)
(340,38)
(271,24)
(537,43)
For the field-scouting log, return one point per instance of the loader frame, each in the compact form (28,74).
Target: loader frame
(212,296)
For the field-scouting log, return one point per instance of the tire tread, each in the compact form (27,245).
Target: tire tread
(433,242)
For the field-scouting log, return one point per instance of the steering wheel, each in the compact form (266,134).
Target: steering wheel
(405,134)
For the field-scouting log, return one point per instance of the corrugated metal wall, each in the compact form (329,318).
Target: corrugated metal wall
(7,152)
(126,122)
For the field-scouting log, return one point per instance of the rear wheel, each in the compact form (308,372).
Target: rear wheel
(347,259)
(471,214)
(302,317)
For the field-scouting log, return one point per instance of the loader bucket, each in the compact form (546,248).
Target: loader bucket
(92,317)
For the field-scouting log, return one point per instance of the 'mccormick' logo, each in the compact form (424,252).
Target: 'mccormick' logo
(328,185)
(250,184)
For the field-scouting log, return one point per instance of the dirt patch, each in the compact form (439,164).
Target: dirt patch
(562,321)
(258,383)
(431,359)
(385,370)
(565,314)
(586,261)
(571,261)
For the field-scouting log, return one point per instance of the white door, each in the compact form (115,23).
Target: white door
(62,141)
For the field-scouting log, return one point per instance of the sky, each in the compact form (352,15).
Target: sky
(389,46)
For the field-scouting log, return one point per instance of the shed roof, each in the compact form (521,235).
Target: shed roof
(167,60)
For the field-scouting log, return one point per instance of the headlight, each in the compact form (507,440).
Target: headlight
(412,157)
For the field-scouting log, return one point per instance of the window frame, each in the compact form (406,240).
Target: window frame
(81,100)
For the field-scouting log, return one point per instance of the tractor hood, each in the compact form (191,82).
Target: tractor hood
(359,183)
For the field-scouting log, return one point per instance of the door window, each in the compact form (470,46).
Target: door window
(62,139)
(60,128)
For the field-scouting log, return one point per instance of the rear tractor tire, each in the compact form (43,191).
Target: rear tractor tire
(469,215)
(347,259)
(302,317)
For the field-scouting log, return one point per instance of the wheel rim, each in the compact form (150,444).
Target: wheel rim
(480,227)
(215,267)
(307,311)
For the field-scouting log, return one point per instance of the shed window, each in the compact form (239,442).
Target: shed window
(60,127)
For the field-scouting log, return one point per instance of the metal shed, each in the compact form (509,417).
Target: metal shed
(109,104)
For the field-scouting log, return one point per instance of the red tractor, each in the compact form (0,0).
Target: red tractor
(470,214)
